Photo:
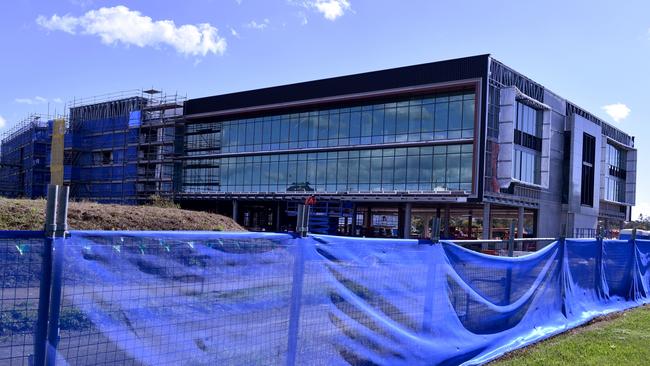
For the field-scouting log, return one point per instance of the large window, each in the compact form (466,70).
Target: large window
(616,174)
(428,169)
(528,144)
(588,161)
(429,118)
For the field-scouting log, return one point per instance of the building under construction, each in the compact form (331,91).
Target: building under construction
(119,148)
(24,158)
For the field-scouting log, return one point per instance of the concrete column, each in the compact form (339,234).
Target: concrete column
(277,216)
(469,224)
(438,218)
(487,222)
(367,221)
(520,223)
(353,228)
(447,219)
(427,225)
(407,220)
(235,210)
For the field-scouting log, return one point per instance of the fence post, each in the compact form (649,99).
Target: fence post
(511,247)
(296,300)
(57,273)
(40,334)
(302,225)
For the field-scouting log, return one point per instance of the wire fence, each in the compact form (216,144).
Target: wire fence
(20,272)
(193,298)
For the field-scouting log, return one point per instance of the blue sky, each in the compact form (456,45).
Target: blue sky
(595,53)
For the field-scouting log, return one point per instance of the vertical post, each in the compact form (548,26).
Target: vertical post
(353,226)
(56,157)
(296,294)
(277,217)
(487,225)
(235,210)
(40,334)
(508,279)
(367,222)
(511,239)
(520,222)
(302,225)
(407,220)
(469,224)
(435,230)
(58,250)
(447,221)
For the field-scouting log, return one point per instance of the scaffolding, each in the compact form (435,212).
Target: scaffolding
(161,118)
(120,147)
(24,158)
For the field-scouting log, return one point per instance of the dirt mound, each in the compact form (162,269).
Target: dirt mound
(18,214)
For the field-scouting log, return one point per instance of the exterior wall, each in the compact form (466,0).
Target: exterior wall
(580,216)
(630,181)
(550,203)
(24,160)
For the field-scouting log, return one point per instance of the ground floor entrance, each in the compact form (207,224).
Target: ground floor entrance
(385,220)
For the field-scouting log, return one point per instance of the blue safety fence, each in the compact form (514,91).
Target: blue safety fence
(20,272)
(193,298)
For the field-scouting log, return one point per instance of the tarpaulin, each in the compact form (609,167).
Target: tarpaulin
(269,299)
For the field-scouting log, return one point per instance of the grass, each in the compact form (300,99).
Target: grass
(21,214)
(618,339)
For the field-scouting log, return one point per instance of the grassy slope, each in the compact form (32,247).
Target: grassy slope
(29,215)
(622,339)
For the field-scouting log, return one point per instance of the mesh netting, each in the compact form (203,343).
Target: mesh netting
(266,299)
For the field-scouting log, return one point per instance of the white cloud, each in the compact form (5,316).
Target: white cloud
(234,32)
(255,25)
(332,9)
(617,111)
(37,100)
(3,122)
(119,24)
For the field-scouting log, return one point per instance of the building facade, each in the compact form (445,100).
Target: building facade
(25,158)
(469,141)
(118,149)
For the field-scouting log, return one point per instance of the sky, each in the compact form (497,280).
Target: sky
(594,53)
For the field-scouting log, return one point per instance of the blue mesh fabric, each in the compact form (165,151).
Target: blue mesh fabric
(192,298)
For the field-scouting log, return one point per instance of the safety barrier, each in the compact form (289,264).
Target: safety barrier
(198,298)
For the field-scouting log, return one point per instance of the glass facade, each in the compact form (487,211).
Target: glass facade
(437,117)
(427,168)
(431,166)
(616,174)
(528,144)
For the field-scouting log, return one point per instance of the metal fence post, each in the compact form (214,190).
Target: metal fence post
(302,225)
(296,301)
(511,247)
(57,273)
(40,333)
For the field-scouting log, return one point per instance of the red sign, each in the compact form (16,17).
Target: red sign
(310,201)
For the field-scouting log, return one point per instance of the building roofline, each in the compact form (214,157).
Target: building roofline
(393,78)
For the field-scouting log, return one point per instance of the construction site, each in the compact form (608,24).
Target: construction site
(119,148)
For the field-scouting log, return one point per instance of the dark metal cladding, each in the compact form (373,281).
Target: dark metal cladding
(429,73)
